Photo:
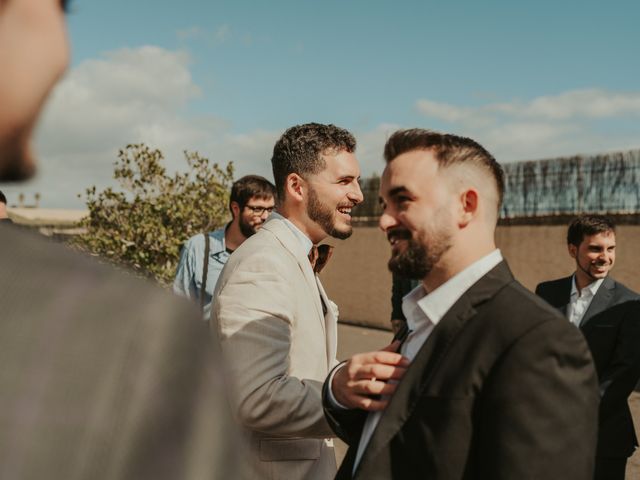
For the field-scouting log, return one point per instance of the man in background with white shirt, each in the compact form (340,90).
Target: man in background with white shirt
(608,314)
(493,383)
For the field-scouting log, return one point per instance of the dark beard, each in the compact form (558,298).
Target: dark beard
(246,229)
(323,216)
(416,262)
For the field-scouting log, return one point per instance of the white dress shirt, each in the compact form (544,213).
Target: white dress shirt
(302,238)
(423,312)
(580,301)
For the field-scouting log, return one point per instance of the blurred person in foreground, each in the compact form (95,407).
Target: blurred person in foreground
(608,315)
(490,382)
(251,201)
(101,376)
(277,326)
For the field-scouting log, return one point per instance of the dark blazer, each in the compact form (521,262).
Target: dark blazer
(611,326)
(103,375)
(504,388)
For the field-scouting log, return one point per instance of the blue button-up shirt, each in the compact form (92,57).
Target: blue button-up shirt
(188,281)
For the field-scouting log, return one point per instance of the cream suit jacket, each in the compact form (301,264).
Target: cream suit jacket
(279,346)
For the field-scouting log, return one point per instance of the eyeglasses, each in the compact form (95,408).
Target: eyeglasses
(259,210)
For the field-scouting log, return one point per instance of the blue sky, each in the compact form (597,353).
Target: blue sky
(527,80)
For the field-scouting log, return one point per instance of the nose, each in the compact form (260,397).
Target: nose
(387,221)
(356,195)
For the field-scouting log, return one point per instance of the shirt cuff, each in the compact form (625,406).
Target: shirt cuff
(330,397)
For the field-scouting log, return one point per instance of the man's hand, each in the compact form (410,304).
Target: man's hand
(365,376)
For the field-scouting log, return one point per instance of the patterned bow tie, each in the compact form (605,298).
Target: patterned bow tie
(319,256)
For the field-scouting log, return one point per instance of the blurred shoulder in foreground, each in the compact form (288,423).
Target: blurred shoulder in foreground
(103,375)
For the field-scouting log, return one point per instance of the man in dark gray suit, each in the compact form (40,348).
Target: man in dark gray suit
(608,314)
(102,376)
(493,383)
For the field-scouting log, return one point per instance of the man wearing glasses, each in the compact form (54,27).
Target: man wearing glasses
(204,255)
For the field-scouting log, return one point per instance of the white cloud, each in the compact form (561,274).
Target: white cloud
(587,103)
(444,111)
(222,33)
(130,96)
(370,147)
(546,126)
(141,95)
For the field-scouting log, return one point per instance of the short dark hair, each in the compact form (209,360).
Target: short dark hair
(300,149)
(448,150)
(3,199)
(587,225)
(250,186)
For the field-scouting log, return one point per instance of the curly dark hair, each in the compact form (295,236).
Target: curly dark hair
(587,225)
(3,199)
(300,149)
(448,150)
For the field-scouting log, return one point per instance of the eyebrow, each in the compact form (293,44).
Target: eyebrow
(348,177)
(398,190)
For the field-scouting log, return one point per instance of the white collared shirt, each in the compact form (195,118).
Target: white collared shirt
(423,312)
(579,301)
(305,241)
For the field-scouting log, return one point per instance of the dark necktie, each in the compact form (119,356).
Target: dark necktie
(402,335)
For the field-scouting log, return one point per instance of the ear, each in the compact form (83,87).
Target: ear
(235,209)
(469,201)
(573,250)
(295,187)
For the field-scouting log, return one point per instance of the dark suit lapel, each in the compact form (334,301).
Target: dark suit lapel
(600,301)
(428,358)
(561,296)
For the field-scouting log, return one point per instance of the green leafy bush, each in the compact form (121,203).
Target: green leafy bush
(144,223)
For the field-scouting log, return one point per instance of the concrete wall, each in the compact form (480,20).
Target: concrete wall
(357,278)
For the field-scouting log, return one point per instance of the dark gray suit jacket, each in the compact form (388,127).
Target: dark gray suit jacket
(102,375)
(611,326)
(504,388)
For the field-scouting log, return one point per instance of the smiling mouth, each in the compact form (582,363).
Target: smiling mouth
(395,236)
(393,241)
(345,211)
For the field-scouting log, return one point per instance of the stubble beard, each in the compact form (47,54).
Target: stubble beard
(587,271)
(325,217)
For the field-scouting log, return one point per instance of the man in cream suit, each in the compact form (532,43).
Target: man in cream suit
(275,323)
